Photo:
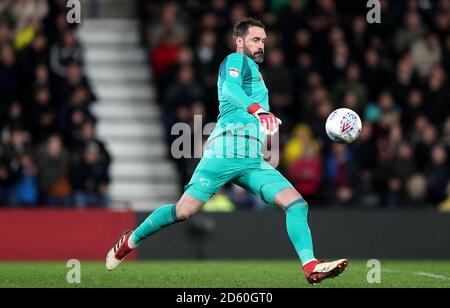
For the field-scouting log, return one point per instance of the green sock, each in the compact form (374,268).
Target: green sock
(298,229)
(158,220)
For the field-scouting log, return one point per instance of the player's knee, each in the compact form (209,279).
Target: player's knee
(184,213)
(187,206)
(282,195)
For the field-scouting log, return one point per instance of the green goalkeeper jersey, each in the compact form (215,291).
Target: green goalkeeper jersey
(237,134)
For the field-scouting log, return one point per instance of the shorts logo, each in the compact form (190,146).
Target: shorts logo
(204,182)
(234,72)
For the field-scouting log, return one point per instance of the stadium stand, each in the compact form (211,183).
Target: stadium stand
(49,152)
(322,55)
(129,117)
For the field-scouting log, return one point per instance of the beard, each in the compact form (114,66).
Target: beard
(257,56)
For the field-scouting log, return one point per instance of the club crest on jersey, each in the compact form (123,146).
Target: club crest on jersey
(348,122)
(204,182)
(234,72)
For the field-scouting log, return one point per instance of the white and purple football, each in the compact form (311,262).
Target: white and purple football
(343,126)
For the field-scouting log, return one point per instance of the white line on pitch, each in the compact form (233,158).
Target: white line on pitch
(431,275)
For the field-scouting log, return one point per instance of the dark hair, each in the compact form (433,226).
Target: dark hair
(241,27)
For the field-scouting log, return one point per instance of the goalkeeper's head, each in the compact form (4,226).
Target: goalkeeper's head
(249,36)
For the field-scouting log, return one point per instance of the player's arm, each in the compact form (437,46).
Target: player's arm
(233,91)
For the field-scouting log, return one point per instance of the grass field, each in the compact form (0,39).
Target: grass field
(220,274)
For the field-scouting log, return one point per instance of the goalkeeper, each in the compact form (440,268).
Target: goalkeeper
(233,153)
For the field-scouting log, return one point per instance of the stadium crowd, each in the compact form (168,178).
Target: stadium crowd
(49,152)
(321,55)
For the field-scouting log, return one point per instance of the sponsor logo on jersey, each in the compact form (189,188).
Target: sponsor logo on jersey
(234,72)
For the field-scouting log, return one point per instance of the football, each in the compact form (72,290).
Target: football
(343,126)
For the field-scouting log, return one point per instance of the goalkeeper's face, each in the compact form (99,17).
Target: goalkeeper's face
(253,44)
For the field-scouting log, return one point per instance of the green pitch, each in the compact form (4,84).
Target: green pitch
(220,274)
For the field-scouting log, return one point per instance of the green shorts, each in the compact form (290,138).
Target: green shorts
(253,174)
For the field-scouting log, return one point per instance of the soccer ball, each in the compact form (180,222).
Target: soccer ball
(343,126)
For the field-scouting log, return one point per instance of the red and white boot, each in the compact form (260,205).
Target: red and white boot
(118,253)
(316,271)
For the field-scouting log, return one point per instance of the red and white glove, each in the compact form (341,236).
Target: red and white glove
(269,122)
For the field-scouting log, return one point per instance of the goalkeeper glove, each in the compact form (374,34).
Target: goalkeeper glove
(269,123)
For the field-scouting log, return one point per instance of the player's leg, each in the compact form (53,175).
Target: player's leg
(159,219)
(272,187)
(164,216)
(296,209)
(209,176)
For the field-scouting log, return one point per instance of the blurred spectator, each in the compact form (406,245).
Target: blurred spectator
(6,11)
(167,23)
(304,66)
(411,32)
(67,51)
(359,36)
(74,113)
(292,16)
(42,117)
(416,192)
(9,75)
(405,78)
(301,42)
(413,108)
(426,53)
(54,179)
(279,80)
(340,175)
(18,142)
(338,62)
(87,136)
(13,118)
(438,174)
(306,174)
(206,52)
(164,55)
(73,81)
(366,153)
(353,84)
(317,95)
(26,10)
(375,76)
(184,92)
(395,173)
(26,189)
(302,141)
(427,138)
(437,92)
(37,53)
(41,77)
(91,179)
